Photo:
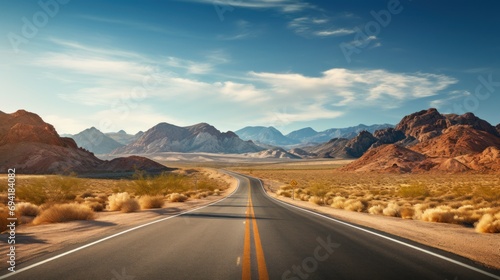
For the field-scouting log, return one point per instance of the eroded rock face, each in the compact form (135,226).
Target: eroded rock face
(423,125)
(471,120)
(357,146)
(388,136)
(32,146)
(456,141)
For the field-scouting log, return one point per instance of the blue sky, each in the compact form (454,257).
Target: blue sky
(232,63)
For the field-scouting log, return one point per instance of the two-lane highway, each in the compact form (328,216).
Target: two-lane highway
(249,235)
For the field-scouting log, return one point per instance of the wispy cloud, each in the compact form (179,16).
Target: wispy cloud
(449,99)
(286,6)
(317,27)
(243,30)
(105,80)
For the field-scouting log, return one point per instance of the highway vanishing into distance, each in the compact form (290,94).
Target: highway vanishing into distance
(249,235)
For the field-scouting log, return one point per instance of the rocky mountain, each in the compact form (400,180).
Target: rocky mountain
(430,141)
(348,132)
(202,137)
(343,147)
(265,135)
(95,141)
(32,146)
(123,137)
(302,135)
(331,149)
(498,128)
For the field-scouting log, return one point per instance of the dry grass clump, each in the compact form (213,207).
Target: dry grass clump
(123,202)
(354,205)
(441,214)
(489,223)
(27,209)
(338,202)
(177,197)
(392,210)
(150,202)
(315,199)
(376,210)
(60,213)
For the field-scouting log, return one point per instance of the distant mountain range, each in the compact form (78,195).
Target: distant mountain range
(202,137)
(271,136)
(98,142)
(33,146)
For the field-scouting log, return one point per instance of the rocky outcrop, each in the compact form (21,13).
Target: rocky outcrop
(357,146)
(388,136)
(423,125)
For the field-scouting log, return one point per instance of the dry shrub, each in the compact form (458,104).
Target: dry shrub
(376,210)
(60,213)
(27,209)
(130,205)
(419,210)
(338,202)
(177,197)
(354,205)
(123,202)
(150,202)
(4,214)
(94,205)
(441,214)
(316,200)
(391,210)
(489,223)
(284,193)
(407,212)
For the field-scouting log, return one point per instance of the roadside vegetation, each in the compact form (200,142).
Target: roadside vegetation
(54,198)
(471,200)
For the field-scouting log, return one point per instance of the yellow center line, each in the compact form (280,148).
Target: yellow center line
(246,274)
(261,261)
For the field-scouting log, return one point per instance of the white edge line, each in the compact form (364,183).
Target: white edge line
(379,235)
(115,235)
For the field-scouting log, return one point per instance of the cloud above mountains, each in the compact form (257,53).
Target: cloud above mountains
(113,82)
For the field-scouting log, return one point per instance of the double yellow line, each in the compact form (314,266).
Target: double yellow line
(261,261)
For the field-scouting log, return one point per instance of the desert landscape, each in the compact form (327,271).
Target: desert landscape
(256,139)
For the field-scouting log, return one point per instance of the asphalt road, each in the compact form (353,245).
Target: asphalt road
(251,236)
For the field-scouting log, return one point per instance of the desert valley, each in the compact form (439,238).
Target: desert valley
(430,168)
